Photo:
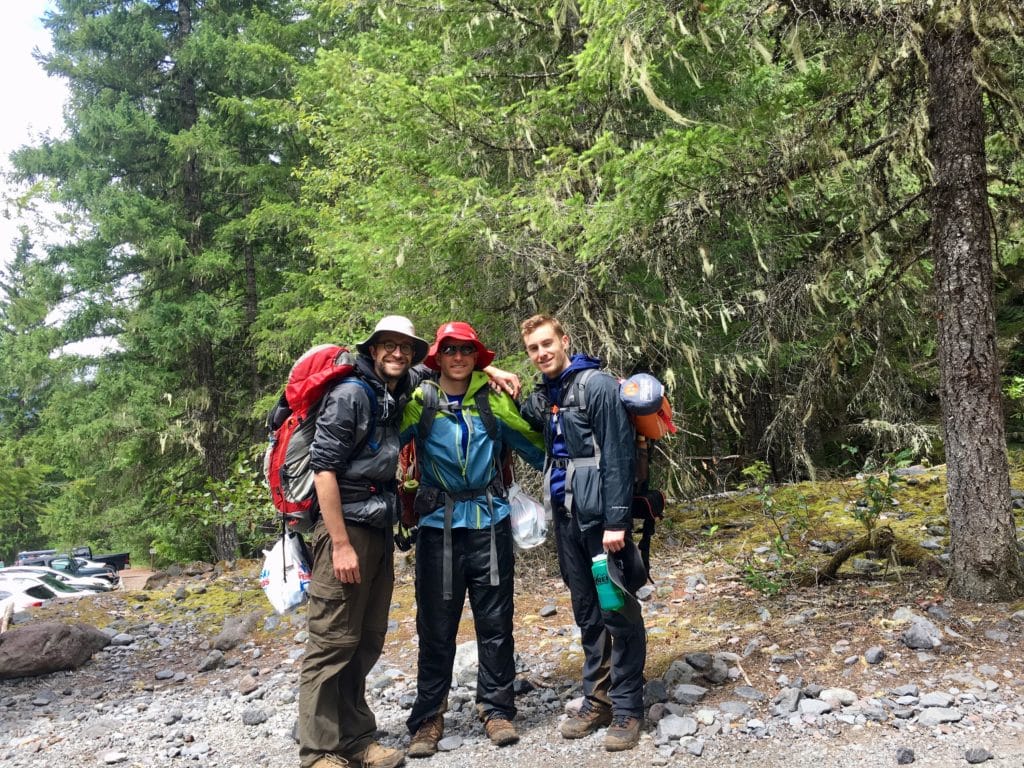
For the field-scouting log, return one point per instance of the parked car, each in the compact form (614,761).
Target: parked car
(118,561)
(57,589)
(34,556)
(78,566)
(95,583)
(21,599)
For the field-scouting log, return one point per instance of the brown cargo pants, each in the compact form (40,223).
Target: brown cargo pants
(346,624)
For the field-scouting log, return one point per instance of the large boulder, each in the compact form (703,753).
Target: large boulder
(42,647)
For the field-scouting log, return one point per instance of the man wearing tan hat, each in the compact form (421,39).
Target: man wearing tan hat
(461,428)
(352,551)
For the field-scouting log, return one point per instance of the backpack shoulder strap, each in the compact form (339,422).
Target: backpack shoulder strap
(483,407)
(367,439)
(431,402)
(581,387)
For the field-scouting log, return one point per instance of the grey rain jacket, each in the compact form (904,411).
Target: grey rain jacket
(600,443)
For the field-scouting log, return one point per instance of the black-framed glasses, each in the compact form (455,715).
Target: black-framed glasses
(449,350)
(403,346)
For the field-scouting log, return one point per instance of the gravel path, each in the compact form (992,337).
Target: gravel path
(161,695)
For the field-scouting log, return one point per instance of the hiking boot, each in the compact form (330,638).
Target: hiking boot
(622,734)
(590,717)
(500,731)
(377,756)
(424,742)
(331,761)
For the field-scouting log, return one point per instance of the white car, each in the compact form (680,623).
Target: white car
(94,583)
(41,586)
(20,600)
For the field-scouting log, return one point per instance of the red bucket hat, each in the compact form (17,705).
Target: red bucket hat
(458,332)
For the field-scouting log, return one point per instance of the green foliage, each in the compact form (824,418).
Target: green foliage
(731,194)
(878,489)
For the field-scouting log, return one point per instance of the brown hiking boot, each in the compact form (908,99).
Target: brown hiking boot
(500,731)
(424,742)
(377,756)
(590,717)
(622,734)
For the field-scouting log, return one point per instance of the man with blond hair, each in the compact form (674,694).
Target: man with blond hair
(588,485)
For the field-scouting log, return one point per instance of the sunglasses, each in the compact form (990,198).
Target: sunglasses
(450,350)
(404,347)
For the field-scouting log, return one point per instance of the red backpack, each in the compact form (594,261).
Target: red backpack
(292,424)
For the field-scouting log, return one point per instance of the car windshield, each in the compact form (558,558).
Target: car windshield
(56,584)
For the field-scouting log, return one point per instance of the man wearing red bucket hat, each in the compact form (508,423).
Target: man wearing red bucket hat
(461,428)
(588,486)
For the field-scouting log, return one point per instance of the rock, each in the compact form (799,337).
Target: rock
(679,672)
(157,580)
(699,661)
(676,727)
(254,716)
(976,755)
(688,693)
(906,690)
(655,692)
(938,715)
(786,702)
(213,660)
(904,756)
(814,707)
(936,699)
(548,610)
(913,471)
(874,655)
(842,697)
(921,635)
(695,747)
(940,612)
(449,743)
(466,663)
(112,758)
(48,646)
(236,630)
(738,708)
(747,692)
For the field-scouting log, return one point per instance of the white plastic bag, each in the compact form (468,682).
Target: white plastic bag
(285,575)
(529,523)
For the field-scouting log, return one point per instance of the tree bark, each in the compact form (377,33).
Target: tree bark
(985,564)
(215,449)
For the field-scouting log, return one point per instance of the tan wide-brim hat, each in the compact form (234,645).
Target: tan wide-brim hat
(401,325)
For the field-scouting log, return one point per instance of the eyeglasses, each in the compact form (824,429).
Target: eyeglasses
(404,347)
(450,350)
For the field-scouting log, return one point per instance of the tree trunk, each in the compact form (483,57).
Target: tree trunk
(985,562)
(215,449)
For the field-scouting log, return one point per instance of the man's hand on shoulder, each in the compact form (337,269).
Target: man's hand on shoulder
(503,381)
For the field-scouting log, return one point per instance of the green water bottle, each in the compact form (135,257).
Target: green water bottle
(608,593)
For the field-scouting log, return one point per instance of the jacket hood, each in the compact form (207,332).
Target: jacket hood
(578,362)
